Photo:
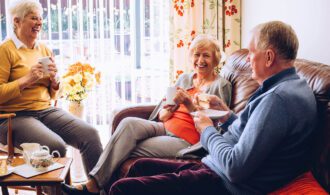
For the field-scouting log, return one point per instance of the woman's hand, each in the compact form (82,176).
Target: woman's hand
(183,97)
(167,111)
(35,74)
(171,108)
(52,68)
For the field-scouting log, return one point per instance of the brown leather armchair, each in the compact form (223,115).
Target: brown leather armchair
(238,72)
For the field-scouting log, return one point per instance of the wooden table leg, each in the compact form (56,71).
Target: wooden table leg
(4,190)
(58,189)
(68,178)
(39,190)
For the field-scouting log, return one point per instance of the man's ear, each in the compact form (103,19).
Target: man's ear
(270,57)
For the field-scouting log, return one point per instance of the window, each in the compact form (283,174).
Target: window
(127,40)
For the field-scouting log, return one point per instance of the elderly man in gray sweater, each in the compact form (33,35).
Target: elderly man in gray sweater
(263,148)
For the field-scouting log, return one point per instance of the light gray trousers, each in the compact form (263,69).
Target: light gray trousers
(55,128)
(135,137)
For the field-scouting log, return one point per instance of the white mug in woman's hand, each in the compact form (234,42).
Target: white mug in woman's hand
(45,61)
(170,94)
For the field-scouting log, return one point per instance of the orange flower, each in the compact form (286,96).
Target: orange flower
(180,44)
(179,8)
(98,77)
(84,82)
(228,44)
(88,68)
(178,73)
(192,3)
(72,83)
(79,80)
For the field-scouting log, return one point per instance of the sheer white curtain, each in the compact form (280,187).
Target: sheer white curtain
(127,40)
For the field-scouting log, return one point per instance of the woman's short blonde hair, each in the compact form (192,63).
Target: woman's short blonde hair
(21,8)
(206,41)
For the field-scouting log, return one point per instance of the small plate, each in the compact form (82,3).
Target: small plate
(211,113)
(10,171)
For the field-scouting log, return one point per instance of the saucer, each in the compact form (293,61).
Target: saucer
(211,113)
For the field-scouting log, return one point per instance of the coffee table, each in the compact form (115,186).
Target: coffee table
(52,178)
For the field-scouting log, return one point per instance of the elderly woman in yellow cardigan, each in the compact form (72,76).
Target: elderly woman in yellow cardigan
(27,90)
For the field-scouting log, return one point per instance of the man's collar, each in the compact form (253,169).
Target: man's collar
(289,73)
(19,44)
(284,75)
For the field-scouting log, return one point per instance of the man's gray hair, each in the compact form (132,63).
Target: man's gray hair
(279,36)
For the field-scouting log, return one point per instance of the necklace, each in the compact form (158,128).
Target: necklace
(202,84)
(199,83)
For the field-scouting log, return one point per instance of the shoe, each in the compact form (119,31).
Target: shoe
(74,191)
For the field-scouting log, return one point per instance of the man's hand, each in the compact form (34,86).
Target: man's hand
(217,103)
(201,122)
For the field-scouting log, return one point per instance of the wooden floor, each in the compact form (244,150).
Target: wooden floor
(20,192)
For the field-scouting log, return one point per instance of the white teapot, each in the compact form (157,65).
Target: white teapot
(42,159)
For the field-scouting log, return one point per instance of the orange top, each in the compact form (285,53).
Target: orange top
(182,125)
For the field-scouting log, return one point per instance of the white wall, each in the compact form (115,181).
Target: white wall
(310,20)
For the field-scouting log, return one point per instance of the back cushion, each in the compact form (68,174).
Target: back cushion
(304,184)
(317,76)
(238,72)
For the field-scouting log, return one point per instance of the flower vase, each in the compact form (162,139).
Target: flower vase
(77,109)
(77,169)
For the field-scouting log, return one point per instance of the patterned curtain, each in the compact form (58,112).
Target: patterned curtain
(219,18)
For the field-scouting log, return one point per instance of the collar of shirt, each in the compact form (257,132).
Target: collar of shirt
(284,75)
(19,44)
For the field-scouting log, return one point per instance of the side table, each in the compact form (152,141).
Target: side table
(52,178)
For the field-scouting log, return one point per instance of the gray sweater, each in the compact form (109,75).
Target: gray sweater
(219,87)
(269,144)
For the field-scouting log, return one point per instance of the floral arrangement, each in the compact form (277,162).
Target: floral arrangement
(78,81)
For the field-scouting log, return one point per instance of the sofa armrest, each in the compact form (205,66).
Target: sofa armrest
(141,111)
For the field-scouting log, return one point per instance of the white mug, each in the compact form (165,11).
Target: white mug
(30,148)
(45,61)
(170,94)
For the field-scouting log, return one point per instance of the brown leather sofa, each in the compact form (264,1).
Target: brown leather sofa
(238,72)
